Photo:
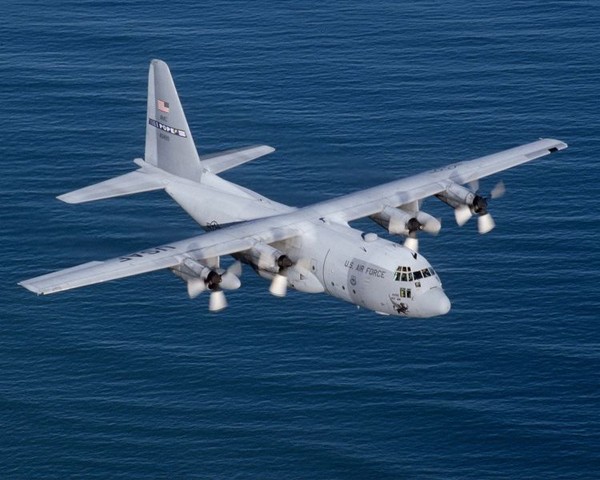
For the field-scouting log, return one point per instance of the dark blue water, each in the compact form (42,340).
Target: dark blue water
(132,379)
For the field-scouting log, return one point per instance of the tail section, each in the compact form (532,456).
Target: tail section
(169,142)
(169,147)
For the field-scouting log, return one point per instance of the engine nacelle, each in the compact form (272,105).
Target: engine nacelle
(267,258)
(189,269)
(400,222)
(456,196)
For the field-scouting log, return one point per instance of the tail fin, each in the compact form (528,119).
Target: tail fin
(169,142)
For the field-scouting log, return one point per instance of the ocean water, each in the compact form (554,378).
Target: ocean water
(131,379)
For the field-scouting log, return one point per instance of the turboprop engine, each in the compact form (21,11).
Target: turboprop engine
(466,203)
(200,277)
(275,265)
(407,223)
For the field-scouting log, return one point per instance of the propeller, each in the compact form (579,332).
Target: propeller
(279,283)
(195,287)
(498,191)
(230,280)
(217,301)
(420,222)
(216,281)
(485,221)
(462,214)
(412,242)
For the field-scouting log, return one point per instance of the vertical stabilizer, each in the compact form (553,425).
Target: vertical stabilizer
(169,142)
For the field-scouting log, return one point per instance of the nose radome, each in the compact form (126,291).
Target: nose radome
(434,302)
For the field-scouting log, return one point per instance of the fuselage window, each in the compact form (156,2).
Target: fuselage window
(405,293)
(418,275)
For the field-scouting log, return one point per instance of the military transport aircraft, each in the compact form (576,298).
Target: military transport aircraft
(311,249)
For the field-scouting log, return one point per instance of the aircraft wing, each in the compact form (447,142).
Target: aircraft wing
(242,236)
(402,192)
(229,240)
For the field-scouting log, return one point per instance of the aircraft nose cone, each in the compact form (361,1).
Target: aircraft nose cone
(434,302)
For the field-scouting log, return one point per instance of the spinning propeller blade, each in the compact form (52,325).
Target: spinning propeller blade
(217,301)
(462,213)
(279,285)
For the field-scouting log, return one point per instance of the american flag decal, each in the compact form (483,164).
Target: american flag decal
(163,106)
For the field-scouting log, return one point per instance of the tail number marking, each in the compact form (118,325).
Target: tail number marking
(167,128)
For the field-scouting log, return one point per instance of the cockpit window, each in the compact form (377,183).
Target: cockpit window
(403,274)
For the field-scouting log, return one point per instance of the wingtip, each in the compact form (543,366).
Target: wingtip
(30,287)
(65,198)
(557,144)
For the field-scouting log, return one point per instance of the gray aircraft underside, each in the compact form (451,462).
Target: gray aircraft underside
(311,249)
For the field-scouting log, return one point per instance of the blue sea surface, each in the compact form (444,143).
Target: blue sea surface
(132,379)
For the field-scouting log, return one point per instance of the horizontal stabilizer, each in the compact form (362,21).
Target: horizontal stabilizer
(222,161)
(133,182)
